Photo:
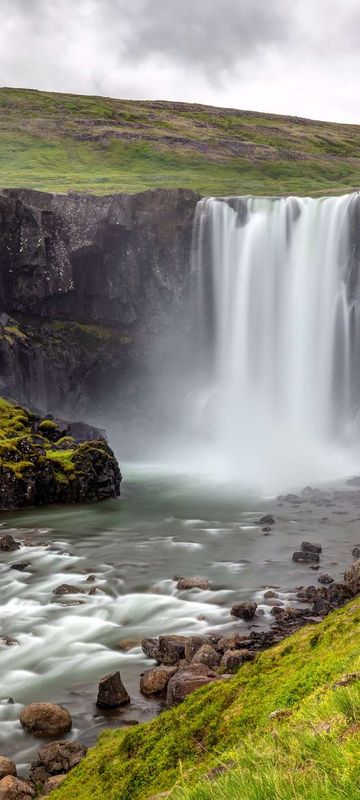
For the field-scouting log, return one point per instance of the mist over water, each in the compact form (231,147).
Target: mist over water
(274,397)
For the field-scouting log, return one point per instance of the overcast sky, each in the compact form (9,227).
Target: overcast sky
(298,57)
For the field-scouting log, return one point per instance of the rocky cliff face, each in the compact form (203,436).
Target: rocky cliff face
(85,284)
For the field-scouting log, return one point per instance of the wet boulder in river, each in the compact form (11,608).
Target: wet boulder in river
(150,647)
(21,566)
(55,758)
(245,611)
(112,692)
(195,582)
(8,544)
(305,557)
(66,588)
(325,579)
(267,519)
(171,649)
(193,644)
(309,547)
(155,681)
(45,719)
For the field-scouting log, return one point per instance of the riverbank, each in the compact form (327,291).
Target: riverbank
(293,714)
(130,547)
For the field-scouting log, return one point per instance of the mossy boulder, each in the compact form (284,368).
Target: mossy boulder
(49,461)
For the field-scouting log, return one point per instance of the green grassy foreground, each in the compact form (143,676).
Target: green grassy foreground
(58,142)
(312,753)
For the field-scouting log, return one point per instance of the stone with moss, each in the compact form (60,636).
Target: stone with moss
(41,461)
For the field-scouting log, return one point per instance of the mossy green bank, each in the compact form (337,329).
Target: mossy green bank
(222,743)
(58,142)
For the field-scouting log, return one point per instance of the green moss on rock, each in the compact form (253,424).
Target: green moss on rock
(40,463)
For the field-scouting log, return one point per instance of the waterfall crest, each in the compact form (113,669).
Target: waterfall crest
(278,336)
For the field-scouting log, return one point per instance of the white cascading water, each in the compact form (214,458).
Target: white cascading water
(276,403)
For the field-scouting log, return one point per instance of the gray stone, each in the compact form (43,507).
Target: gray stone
(171,649)
(244,610)
(155,681)
(207,655)
(309,547)
(193,644)
(304,557)
(112,692)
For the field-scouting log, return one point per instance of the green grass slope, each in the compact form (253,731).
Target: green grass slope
(59,142)
(311,753)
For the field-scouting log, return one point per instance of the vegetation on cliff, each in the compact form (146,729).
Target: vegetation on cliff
(58,142)
(43,460)
(222,742)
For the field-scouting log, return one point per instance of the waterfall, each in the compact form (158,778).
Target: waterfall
(276,393)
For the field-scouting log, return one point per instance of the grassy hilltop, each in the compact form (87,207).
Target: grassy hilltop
(61,142)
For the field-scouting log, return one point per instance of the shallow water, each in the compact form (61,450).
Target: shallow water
(135,546)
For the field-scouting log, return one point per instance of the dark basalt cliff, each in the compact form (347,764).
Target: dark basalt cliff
(85,284)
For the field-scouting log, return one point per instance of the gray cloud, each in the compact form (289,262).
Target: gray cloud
(300,57)
(208,35)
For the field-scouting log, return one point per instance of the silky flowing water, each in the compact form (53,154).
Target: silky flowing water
(162,527)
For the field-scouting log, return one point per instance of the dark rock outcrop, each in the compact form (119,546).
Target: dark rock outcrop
(85,283)
(41,462)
